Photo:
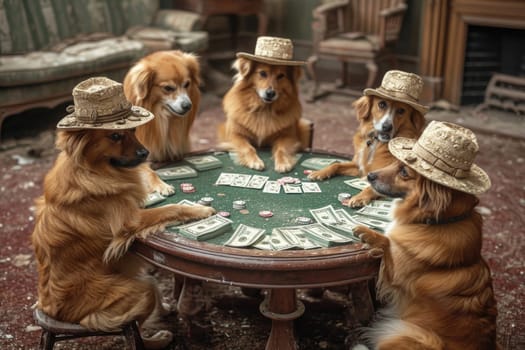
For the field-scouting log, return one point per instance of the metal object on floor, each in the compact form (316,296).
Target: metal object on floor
(54,331)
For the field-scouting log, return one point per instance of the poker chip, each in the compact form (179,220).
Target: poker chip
(185,184)
(239,204)
(206,200)
(307,172)
(343,196)
(224,214)
(189,189)
(288,180)
(303,220)
(244,211)
(265,214)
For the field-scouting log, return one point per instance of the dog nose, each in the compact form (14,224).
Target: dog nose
(142,153)
(270,93)
(186,105)
(387,126)
(371,177)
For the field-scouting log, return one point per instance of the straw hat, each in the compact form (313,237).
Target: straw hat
(99,103)
(273,50)
(400,86)
(444,153)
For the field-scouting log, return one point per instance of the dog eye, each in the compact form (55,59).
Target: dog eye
(116,136)
(263,74)
(403,172)
(169,88)
(186,84)
(382,104)
(280,76)
(400,111)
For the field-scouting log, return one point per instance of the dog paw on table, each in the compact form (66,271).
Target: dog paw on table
(284,162)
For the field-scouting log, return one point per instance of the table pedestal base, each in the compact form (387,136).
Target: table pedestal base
(282,307)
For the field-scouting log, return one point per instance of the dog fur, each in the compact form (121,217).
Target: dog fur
(433,279)
(89,215)
(263,110)
(380,120)
(167,84)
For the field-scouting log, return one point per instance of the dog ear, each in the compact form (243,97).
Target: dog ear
(362,107)
(192,63)
(138,83)
(418,120)
(434,198)
(243,66)
(71,142)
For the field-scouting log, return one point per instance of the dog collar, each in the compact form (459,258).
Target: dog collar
(432,221)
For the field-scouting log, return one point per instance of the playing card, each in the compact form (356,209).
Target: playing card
(225,179)
(288,188)
(257,182)
(240,180)
(272,187)
(311,187)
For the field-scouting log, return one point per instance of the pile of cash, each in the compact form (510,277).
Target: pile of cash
(204,162)
(205,229)
(178,172)
(317,163)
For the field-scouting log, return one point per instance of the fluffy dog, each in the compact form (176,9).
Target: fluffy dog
(89,215)
(167,84)
(263,109)
(381,116)
(437,287)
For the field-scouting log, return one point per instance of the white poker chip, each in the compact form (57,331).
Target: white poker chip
(239,204)
(303,220)
(207,200)
(343,196)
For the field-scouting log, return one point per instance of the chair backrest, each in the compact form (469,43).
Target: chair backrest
(364,14)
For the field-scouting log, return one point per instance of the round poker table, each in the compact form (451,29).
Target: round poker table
(281,272)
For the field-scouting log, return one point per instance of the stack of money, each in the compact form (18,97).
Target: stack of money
(318,162)
(205,229)
(245,236)
(298,237)
(358,183)
(178,172)
(153,198)
(204,162)
(325,237)
(279,242)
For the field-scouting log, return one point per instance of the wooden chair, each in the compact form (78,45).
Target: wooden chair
(54,330)
(355,31)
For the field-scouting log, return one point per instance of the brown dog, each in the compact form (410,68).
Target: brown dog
(263,109)
(382,115)
(437,287)
(89,215)
(167,84)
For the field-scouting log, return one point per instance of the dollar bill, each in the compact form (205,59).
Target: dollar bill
(311,187)
(325,237)
(178,172)
(279,241)
(371,222)
(245,236)
(325,215)
(187,202)
(225,179)
(358,183)
(207,228)
(297,236)
(240,180)
(289,188)
(377,213)
(346,224)
(318,163)
(204,162)
(272,187)
(382,204)
(153,198)
(263,243)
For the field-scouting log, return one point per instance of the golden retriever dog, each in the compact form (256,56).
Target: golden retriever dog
(436,286)
(167,84)
(263,110)
(383,113)
(89,215)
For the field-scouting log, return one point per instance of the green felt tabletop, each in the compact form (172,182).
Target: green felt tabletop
(285,207)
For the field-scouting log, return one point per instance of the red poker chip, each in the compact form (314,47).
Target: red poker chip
(185,184)
(265,214)
(307,172)
(224,214)
(188,189)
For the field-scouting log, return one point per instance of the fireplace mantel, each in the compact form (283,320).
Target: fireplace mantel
(445,34)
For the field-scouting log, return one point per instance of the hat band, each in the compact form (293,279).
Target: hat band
(93,116)
(398,94)
(439,163)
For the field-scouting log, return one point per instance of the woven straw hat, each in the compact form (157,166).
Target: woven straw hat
(444,153)
(400,86)
(273,50)
(99,103)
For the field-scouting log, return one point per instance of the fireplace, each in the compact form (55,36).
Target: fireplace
(450,50)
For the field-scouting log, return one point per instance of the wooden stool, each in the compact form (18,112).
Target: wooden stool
(53,331)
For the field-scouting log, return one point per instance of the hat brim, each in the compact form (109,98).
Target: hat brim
(269,60)
(476,182)
(376,92)
(137,116)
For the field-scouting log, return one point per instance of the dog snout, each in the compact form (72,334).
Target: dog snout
(142,153)
(371,177)
(186,105)
(270,94)
(387,126)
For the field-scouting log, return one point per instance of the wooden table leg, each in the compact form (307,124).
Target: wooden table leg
(282,307)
